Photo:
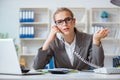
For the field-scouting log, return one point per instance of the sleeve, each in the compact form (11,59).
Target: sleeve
(42,58)
(96,54)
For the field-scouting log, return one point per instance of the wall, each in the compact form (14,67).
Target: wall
(9,10)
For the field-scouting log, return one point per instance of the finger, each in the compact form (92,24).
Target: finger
(103,31)
(106,31)
(97,31)
(105,34)
(100,32)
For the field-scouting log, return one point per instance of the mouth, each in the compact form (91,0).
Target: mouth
(66,29)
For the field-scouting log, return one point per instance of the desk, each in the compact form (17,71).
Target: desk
(69,76)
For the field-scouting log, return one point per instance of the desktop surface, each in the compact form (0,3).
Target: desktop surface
(69,76)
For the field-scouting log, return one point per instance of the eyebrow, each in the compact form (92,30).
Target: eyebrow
(62,19)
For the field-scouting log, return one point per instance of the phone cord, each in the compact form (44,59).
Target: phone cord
(85,61)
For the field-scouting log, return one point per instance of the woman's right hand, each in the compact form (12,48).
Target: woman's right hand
(52,34)
(51,37)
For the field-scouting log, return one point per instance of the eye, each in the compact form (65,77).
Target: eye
(68,19)
(59,21)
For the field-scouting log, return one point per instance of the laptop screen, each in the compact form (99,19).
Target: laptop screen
(9,63)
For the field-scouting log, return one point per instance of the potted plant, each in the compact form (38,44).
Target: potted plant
(104,16)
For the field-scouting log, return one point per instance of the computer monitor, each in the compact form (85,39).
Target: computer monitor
(9,63)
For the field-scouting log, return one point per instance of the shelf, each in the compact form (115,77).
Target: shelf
(112,55)
(39,14)
(111,44)
(110,39)
(28,55)
(42,39)
(113,14)
(109,23)
(81,18)
(40,29)
(35,23)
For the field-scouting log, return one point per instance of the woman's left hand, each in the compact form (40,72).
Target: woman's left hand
(100,34)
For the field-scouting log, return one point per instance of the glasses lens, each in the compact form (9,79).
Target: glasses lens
(59,22)
(67,20)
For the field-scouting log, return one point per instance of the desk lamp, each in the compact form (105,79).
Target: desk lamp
(116,2)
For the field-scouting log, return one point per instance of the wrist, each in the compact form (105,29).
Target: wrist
(46,45)
(97,42)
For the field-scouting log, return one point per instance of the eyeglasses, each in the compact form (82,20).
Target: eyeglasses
(67,20)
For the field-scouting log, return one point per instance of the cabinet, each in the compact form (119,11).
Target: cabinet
(38,19)
(107,18)
(81,18)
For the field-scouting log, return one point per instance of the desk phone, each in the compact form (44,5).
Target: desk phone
(107,70)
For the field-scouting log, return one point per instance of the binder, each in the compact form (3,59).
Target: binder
(26,16)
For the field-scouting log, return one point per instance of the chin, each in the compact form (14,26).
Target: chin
(66,33)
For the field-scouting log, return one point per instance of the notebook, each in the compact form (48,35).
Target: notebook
(9,63)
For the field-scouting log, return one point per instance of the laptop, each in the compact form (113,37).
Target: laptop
(9,63)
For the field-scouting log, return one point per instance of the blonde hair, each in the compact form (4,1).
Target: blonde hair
(63,9)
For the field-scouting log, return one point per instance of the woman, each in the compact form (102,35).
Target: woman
(72,41)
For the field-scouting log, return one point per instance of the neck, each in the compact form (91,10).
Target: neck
(69,38)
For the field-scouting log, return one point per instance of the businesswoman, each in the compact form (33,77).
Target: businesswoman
(72,41)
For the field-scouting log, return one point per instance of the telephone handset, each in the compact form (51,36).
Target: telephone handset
(59,36)
(85,61)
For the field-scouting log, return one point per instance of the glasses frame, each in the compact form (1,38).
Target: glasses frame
(66,20)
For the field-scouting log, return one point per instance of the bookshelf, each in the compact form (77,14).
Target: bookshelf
(111,44)
(81,18)
(29,45)
(41,24)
